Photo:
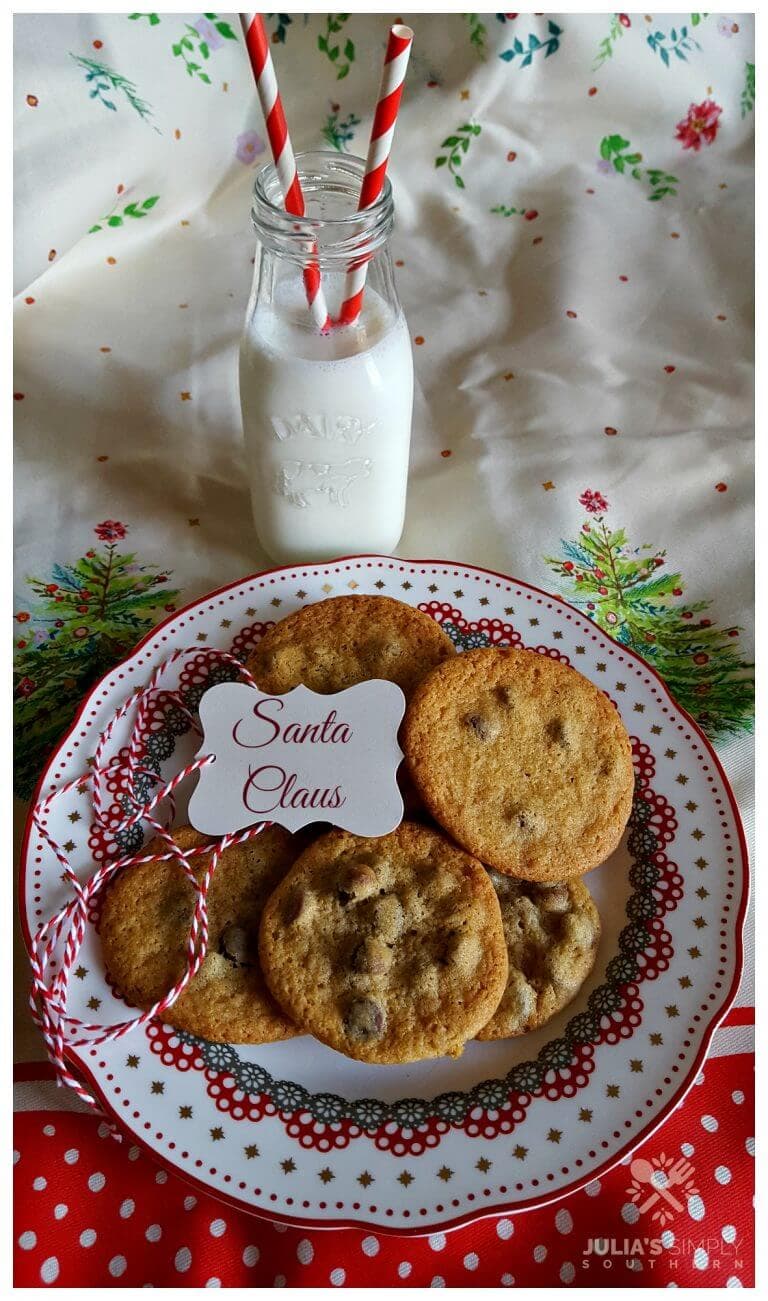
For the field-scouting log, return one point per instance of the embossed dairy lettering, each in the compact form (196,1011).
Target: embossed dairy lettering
(330,429)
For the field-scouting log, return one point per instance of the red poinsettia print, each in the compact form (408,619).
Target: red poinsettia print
(593,502)
(110,531)
(701,124)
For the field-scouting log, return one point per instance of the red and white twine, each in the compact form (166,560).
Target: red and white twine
(50,977)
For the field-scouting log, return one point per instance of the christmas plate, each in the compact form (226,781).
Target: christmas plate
(295,1131)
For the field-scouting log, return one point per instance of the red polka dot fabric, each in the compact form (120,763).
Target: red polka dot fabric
(93,1212)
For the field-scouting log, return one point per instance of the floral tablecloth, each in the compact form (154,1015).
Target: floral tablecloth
(574,253)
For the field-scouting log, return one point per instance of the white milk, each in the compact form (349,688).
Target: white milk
(327,427)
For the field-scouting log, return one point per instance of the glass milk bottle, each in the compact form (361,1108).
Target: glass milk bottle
(326,414)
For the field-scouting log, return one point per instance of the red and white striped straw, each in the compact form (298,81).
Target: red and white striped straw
(382,132)
(257,44)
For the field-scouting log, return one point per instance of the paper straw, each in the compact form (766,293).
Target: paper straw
(382,132)
(257,44)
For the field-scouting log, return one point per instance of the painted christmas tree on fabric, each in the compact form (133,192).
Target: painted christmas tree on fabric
(625,591)
(83,620)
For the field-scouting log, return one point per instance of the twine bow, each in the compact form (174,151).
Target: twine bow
(49,991)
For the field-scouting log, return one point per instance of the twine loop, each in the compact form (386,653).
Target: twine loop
(49,993)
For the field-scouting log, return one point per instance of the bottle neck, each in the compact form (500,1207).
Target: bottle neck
(329,240)
(330,230)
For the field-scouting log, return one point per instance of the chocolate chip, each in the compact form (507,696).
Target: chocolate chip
(372,958)
(555,730)
(484,728)
(364,1020)
(236,945)
(358,882)
(503,694)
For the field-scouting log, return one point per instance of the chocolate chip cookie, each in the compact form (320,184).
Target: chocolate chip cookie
(146,919)
(348,639)
(389,949)
(552,933)
(525,762)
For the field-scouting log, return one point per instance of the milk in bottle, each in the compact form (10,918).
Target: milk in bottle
(326,415)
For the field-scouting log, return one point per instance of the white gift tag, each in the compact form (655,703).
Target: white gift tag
(300,758)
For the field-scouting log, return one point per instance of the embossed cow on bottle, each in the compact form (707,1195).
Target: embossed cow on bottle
(301,481)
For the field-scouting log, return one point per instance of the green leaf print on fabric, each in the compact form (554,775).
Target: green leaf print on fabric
(209,28)
(283,23)
(621,588)
(502,210)
(535,46)
(338,132)
(105,83)
(333,25)
(81,621)
(222,27)
(132,211)
(478,34)
(748,93)
(677,42)
(457,146)
(613,157)
(184,49)
(197,41)
(605,48)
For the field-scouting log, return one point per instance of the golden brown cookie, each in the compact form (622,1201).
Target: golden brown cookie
(524,761)
(146,919)
(388,949)
(552,934)
(334,644)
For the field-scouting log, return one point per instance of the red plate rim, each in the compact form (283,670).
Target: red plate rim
(511,1208)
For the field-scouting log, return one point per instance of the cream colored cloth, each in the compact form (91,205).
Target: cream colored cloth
(572,333)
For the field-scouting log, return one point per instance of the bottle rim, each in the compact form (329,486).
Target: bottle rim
(357,233)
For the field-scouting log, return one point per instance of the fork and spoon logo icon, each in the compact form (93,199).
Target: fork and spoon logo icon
(661,1177)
